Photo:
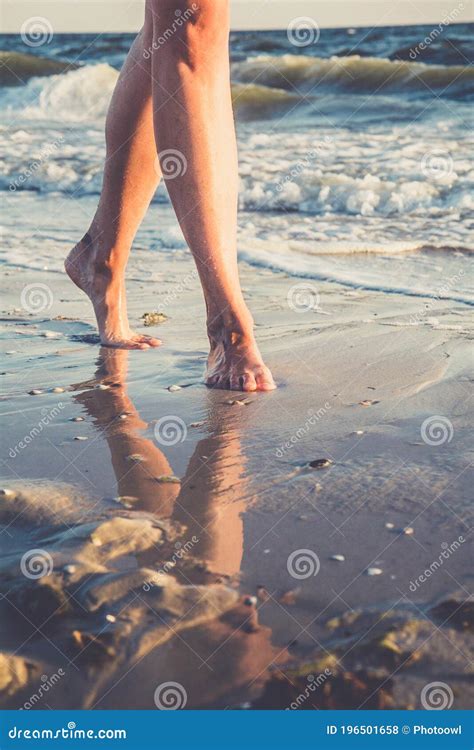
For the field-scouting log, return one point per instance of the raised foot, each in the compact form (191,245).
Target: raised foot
(106,290)
(238,367)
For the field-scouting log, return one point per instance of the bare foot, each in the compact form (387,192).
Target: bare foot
(106,290)
(236,364)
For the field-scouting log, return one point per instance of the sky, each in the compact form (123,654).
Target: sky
(126,15)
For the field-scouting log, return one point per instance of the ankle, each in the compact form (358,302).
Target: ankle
(230,329)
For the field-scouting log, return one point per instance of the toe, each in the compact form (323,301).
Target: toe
(149,340)
(247,382)
(264,380)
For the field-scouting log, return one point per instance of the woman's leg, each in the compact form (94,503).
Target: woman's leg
(195,137)
(97,264)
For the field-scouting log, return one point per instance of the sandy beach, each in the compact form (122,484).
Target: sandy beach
(155,531)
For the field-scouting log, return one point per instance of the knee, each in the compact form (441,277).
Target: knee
(189,29)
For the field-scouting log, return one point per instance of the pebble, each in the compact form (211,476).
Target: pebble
(368,402)
(389,525)
(266,551)
(123,416)
(51,335)
(320,463)
(35,392)
(196,424)
(135,457)
(168,479)
(173,388)
(250,601)
(338,558)
(374,571)
(408,530)
(6,493)
(81,437)
(58,389)
(110,618)
(69,569)
(77,419)
(359,432)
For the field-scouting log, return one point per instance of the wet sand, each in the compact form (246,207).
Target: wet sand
(183,535)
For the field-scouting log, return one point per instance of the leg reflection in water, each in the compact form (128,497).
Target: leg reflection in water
(218,661)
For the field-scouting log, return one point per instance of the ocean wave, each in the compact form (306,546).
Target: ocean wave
(17,67)
(354,74)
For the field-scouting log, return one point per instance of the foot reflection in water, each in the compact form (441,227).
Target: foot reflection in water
(228,658)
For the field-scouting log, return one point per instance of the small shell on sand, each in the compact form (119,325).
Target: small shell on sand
(338,558)
(81,437)
(153,318)
(250,601)
(238,401)
(7,493)
(408,530)
(320,463)
(374,571)
(173,388)
(70,569)
(389,525)
(358,432)
(35,392)
(197,424)
(102,387)
(58,389)
(123,416)
(368,402)
(168,479)
(136,457)
(77,419)
(51,335)
(110,618)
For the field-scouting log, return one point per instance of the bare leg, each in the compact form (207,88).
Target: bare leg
(97,264)
(190,72)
